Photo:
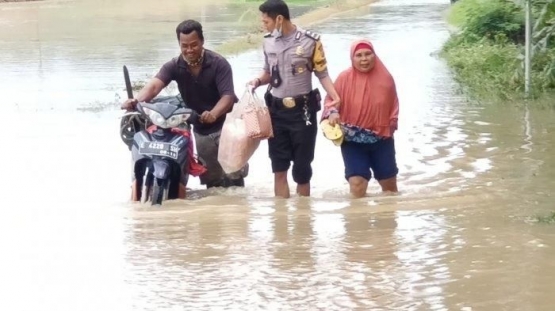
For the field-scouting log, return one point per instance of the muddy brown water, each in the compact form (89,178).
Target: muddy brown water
(457,237)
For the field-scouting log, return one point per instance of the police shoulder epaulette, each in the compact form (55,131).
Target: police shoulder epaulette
(268,35)
(312,35)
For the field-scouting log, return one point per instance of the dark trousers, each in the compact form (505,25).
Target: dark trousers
(294,140)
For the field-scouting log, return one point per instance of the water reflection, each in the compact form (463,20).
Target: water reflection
(303,256)
(332,258)
(335,259)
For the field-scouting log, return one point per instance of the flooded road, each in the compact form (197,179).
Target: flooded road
(458,237)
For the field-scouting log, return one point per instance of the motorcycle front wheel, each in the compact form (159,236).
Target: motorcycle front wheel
(160,191)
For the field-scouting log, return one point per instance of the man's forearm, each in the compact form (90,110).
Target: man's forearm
(330,89)
(223,106)
(148,92)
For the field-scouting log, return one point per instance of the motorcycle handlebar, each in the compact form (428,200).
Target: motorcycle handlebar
(193,118)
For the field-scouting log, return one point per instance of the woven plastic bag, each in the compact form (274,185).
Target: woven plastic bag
(257,117)
(236,147)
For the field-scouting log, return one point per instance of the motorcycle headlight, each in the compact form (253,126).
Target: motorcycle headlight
(174,121)
(156,118)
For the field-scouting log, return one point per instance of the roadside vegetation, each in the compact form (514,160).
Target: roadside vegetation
(546,219)
(486,51)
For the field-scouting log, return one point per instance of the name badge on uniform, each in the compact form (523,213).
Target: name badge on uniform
(299,51)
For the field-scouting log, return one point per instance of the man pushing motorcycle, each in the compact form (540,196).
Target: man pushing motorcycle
(205,82)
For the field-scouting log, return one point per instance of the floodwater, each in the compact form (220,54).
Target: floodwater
(457,237)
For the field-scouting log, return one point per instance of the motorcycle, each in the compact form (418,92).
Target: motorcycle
(158,136)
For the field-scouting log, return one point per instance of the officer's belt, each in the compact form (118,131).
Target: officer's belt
(297,102)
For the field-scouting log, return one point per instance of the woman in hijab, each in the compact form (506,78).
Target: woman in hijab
(368,117)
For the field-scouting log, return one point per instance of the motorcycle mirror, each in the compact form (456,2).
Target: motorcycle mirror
(128,87)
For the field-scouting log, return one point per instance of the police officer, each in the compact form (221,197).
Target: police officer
(291,55)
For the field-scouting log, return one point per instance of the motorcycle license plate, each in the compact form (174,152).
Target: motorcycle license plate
(159,149)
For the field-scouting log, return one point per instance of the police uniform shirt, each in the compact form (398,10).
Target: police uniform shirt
(296,55)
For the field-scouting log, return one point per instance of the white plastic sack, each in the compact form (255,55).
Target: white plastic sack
(236,147)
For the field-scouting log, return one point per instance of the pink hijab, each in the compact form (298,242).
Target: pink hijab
(368,100)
